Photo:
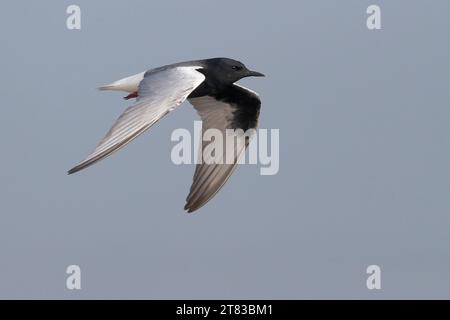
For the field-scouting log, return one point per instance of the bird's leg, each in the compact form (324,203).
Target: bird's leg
(131,95)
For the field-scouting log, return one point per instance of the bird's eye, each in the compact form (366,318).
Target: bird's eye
(236,68)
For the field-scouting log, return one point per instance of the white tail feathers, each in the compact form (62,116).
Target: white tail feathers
(107,87)
(128,84)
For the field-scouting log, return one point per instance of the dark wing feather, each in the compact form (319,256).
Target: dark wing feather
(235,108)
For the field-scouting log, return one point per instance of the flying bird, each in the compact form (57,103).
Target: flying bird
(209,85)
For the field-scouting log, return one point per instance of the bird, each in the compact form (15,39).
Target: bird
(210,87)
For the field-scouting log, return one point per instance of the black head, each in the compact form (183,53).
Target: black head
(228,71)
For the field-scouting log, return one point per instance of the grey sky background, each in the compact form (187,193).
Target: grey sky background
(364,153)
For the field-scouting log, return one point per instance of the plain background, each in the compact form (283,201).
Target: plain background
(364,153)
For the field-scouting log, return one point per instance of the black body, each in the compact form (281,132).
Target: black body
(220,76)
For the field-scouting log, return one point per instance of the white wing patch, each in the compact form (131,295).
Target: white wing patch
(245,88)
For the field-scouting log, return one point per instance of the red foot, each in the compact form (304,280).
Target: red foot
(131,95)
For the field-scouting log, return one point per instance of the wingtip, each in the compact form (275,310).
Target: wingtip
(73,170)
(189,209)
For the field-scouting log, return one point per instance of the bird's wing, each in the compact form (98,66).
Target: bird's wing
(237,109)
(161,91)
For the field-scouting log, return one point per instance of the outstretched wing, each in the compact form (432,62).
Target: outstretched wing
(161,91)
(237,108)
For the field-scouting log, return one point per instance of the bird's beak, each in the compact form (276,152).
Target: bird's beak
(254,74)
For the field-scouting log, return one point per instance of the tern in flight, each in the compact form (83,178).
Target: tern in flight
(209,85)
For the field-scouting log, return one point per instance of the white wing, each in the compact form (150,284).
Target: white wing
(161,91)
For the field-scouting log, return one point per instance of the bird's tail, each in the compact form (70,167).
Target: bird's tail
(128,84)
(107,87)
